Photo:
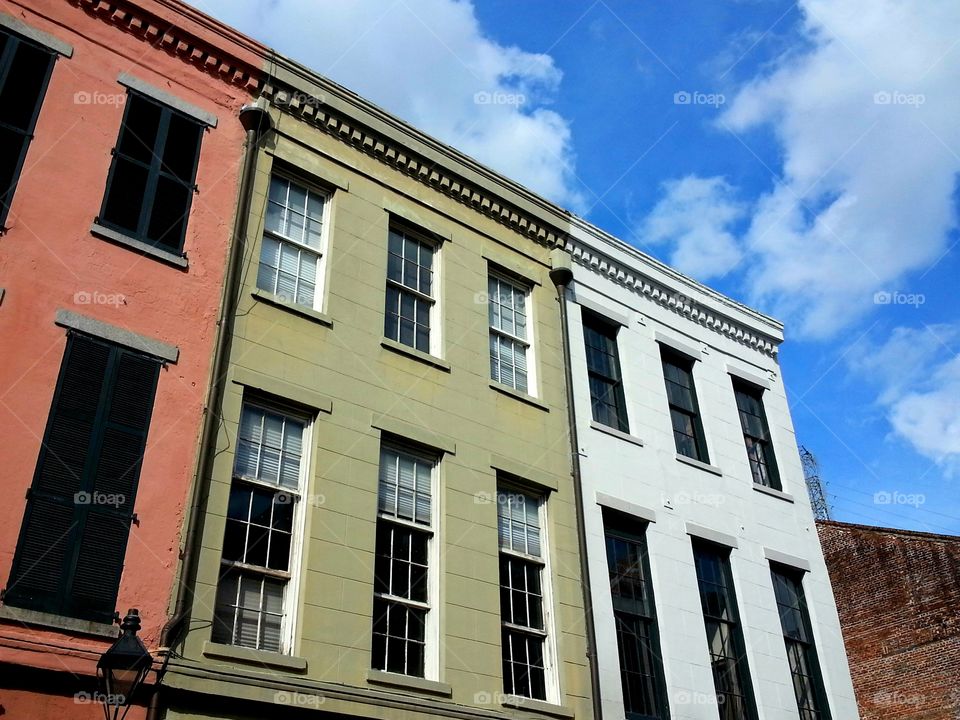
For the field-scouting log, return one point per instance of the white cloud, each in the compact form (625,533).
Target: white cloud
(695,215)
(867,124)
(918,376)
(430,63)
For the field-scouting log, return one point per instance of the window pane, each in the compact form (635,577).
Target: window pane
(398,638)
(128,183)
(519,522)
(641,669)
(171,204)
(138,136)
(266,442)
(405,486)
(723,632)
(801,654)
(249,611)
(180,149)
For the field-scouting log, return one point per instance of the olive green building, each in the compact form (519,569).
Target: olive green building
(388,522)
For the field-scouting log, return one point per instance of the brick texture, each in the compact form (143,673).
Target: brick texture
(898,596)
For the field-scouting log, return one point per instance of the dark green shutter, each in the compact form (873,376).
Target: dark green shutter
(25,69)
(152,174)
(73,539)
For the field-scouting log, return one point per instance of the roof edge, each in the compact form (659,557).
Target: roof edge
(894,531)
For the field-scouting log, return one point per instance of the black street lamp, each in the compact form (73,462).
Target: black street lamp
(122,668)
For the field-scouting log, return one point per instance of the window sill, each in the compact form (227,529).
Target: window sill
(379,677)
(616,433)
(59,622)
(521,396)
(119,238)
(699,464)
(773,492)
(301,310)
(538,706)
(410,352)
(254,657)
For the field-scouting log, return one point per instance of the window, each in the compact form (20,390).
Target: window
(728,657)
(798,638)
(684,412)
(508,333)
(257,563)
(409,289)
(293,232)
(522,600)
(641,666)
(73,540)
(401,584)
(603,372)
(24,72)
(153,174)
(756,435)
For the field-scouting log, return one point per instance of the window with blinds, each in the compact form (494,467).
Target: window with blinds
(256,564)
(524,632)
(293,243)
(73,539)
(402,599)
(509,333)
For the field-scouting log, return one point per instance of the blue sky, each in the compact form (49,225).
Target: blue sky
(801,157)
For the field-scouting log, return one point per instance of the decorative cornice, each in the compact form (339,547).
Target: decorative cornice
(677,302)
(410,163)
(178,41)
(362,138)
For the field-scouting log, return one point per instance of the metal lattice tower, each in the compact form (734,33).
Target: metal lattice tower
(811,474)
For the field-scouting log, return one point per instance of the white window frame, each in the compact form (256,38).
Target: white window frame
(431,631)
(551,680)
(434,342)
(528,342)
(292,578)
(321,253)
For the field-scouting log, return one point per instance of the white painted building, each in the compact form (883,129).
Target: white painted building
(640,487)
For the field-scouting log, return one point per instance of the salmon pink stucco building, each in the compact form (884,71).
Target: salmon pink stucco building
(120,159)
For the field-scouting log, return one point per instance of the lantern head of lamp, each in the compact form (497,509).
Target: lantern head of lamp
(122,668)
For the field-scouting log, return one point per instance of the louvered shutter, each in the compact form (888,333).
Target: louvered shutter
(73,539)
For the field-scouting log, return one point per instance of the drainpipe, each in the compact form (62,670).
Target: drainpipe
(562,275)
(256,120)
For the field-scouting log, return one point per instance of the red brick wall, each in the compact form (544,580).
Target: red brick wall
(898,596)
